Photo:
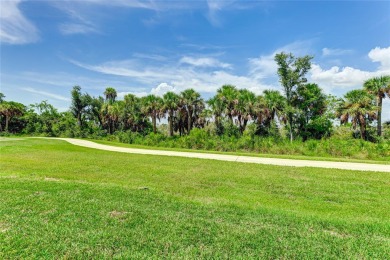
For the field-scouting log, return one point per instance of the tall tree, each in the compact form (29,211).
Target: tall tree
(380,87)
(275,103)
(110,94)
(291,71)
(94,110)
(311,102)
(79,104)
(10,109)
(246,107)
(152,106)
(357,106)
(170,104)
(228,94)
(217,108)
(191,101)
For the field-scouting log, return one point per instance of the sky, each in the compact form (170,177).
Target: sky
(155,46)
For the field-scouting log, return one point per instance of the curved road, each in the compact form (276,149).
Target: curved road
(235,158)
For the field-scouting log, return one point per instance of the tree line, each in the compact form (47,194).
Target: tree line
(301,111)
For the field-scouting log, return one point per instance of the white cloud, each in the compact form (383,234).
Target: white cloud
(14,27)
(349,77)
(162,88)
(78,22)
(339,77)
(204,62)
(381,55)
(265,66)
(335,52)
(74,28)
(47,94)
(169,77)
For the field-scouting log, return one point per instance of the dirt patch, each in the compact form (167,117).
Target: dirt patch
(117,214)
(51,179)
(336,234)
(4,227)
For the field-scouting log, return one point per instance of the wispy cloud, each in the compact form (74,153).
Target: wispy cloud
(78,21)
(74,28)
(15,28)
(154,57)
(265,65)
(175,74)
(204,62)
(335,52)
(47,94)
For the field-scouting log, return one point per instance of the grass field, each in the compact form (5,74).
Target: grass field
(64,201)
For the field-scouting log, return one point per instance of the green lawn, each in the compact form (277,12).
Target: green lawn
(62,201)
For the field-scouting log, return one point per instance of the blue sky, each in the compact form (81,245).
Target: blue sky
(144,47)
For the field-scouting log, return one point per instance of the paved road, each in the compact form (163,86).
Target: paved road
(235,158)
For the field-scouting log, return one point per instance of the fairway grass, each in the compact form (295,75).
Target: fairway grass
(63,201)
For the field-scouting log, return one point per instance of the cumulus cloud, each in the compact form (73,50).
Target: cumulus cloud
(339,77)
(349,77)
(162,88)
(381,55)
(204,62)
(14,27)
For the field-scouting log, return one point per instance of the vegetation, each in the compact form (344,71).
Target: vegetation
(233,119)
(64,201)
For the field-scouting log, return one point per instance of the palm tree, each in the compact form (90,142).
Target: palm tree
(170,104)
(358,105)
(380,87)
(246,107)
(10,109)
(191,101)
(229,96)
(79,104)
(275,103)
(262,112)
(110,94)
(216,106)
(95,108)
(151,106)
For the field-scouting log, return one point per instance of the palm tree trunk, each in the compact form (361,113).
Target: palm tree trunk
(171,122)
(244,126)
(362,124)
(379,116)
(154,123)
(290,128)
(7,118)
(189,120)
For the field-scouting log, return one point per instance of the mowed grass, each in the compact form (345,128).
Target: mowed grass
(62,201)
